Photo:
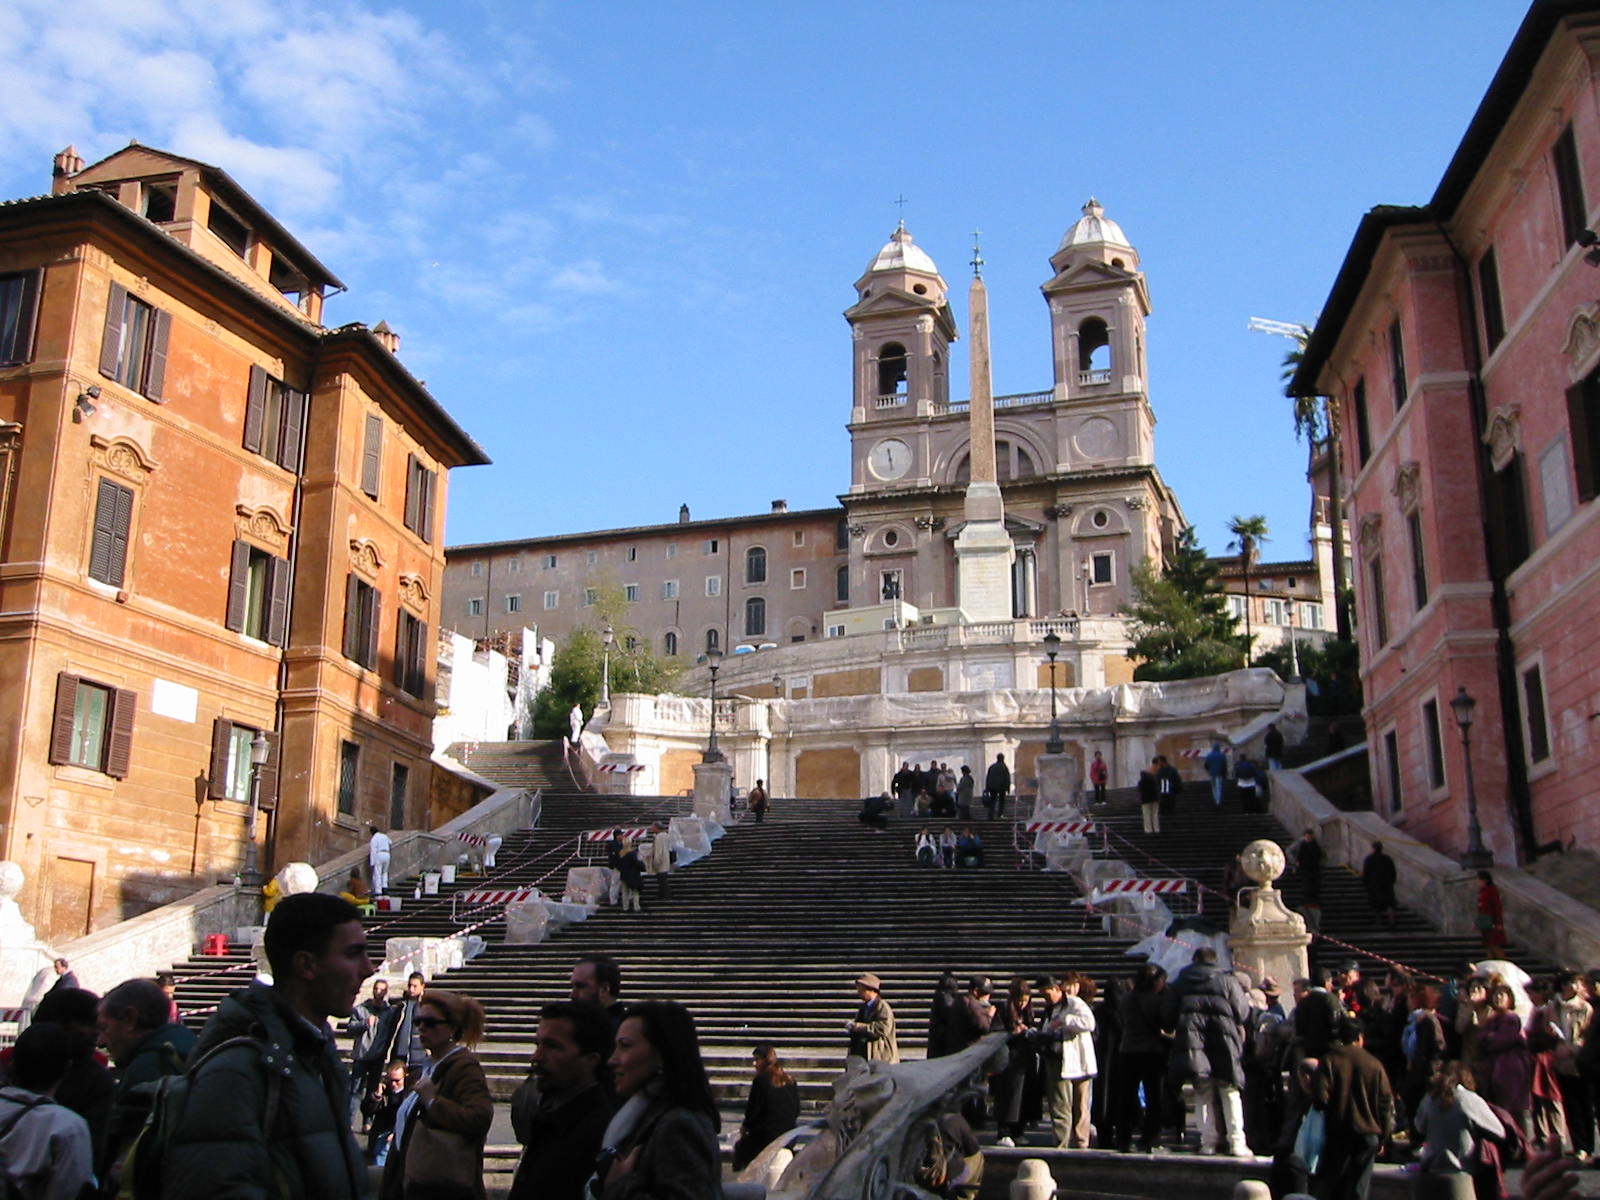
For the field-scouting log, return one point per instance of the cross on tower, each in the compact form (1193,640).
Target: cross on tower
(900,203)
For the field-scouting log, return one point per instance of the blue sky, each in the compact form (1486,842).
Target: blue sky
(617,237)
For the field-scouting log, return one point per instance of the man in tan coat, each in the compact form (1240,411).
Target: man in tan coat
(872,1030)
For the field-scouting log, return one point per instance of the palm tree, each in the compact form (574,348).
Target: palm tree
(1248,534)
(1317,418)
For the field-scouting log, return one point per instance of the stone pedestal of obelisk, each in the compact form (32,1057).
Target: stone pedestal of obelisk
(983,547)
(1265,935)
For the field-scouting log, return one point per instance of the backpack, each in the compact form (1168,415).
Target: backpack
(10,1186)
(144,1168)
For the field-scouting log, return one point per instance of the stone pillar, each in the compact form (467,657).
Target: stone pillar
(1266,936)
(712,781)
(1058,782)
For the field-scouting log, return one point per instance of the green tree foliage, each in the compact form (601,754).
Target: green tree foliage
(1331,671)
(576,669)
(1181,626)
(1248,534)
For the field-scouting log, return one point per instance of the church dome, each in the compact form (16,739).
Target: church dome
(901,253)
(1094,228)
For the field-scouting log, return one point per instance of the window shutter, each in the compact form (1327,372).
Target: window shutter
(66,709)
(374,620)
(430,481)
(372,455)
(421,662)
(221,738)
(255,410)
(402,655)
(352,617)
(294,421)
(113,514)
(239,587)
(122,521)
(119,746)
(278,601)
(27,317)
(155,370)
(111,341)
(268,798)
(413,492)
(1583,464)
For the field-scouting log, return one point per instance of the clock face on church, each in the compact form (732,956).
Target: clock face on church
(890,459)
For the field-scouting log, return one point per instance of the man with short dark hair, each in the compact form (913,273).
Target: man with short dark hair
(1378,877)
(597,979)
(996,785)
(133,1027)
(405,1039)
(45,1146)
(561,1111)
(222,1148)
(372,1025)
(1352,1088)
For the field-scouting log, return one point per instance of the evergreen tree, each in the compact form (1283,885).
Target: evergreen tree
(576,669)
(1181,626)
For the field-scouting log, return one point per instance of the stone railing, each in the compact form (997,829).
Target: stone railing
(898,400)
(1010,400)
(153,941)
(1090,378)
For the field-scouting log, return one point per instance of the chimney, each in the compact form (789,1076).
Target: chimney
(67,164)
(683,514)
(780,506)
(386,335)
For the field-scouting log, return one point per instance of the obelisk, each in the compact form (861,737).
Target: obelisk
(983,548)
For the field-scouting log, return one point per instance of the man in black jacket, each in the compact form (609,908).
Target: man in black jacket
(1207,1010)
(996,784)
(1353,1090)
(561,1111)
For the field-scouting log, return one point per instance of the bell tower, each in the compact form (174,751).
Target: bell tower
(1098,304)
(902,330)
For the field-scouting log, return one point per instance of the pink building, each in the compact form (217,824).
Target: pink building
(1461,342)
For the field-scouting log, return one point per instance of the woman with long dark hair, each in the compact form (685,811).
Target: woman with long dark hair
(771,1109)
(663,1141)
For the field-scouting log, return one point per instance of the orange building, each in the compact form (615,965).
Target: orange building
(217,517)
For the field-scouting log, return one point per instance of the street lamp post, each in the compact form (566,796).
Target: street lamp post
(713,662)
(608,635)
(1052,647)
(1477,856)
(250,877)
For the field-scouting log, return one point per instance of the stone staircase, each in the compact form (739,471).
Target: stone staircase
(534,765)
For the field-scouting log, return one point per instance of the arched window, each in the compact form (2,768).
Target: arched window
(713,640)
(841,585)
(1094,350)
(892,369)
(755,617)
(669,645)
(755,565)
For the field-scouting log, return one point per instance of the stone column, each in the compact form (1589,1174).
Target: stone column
(1266,936)
(712,781)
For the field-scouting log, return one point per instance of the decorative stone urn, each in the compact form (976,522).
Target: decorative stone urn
(1267,937)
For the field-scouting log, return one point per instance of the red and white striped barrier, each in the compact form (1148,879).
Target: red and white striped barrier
(1193,753)
(472,839)
(620,768)
(12,1015)
(1142,887)
(495,896)
(1059,827)
(633,833)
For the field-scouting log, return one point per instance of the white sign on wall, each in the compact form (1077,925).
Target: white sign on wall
(168,699)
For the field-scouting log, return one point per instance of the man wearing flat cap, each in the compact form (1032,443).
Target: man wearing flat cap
(872,1030)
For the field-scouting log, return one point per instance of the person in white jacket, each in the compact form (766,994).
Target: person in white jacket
(1070,1093)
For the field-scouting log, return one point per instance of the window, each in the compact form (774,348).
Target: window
(672,549)
(549,562)
(755,617)
(514,567)
(113,517)
(1380,602)
(799,537)
(411,655)
(1506,487)
(421,485)
(274,418)
(712,546)
(1494,318)
(633,554)
(372,455)
(841,534)
(1100,571)
(1533,712)
(1569,186)
(551,599)
(1237,607)
(1358,401)
(231,232)
(513,604)
(590,557)
(1391,758)
(797,578)
(835,631)
(1094,351)
(1555,481)
(362,609)
(591,597)
(133,348)
(630,643)
(349,773)
(713,639)
(399,785)
(258,595)
(1276,613)
(891,369)
(1419,566)
(755,565)
(841,585)
(669,644)
(889,584)
(19,315)
(1311,616)
(93,726)
(1433,744)
(669,589)
(475,606)
(477,570)
(230,763)
(1397,364)
(1583,422)
(713,585)
(630,593)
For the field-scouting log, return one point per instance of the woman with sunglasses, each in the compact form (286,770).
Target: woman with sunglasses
(441,1127)
(663,1140)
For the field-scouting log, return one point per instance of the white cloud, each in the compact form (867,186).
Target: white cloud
(587,277)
